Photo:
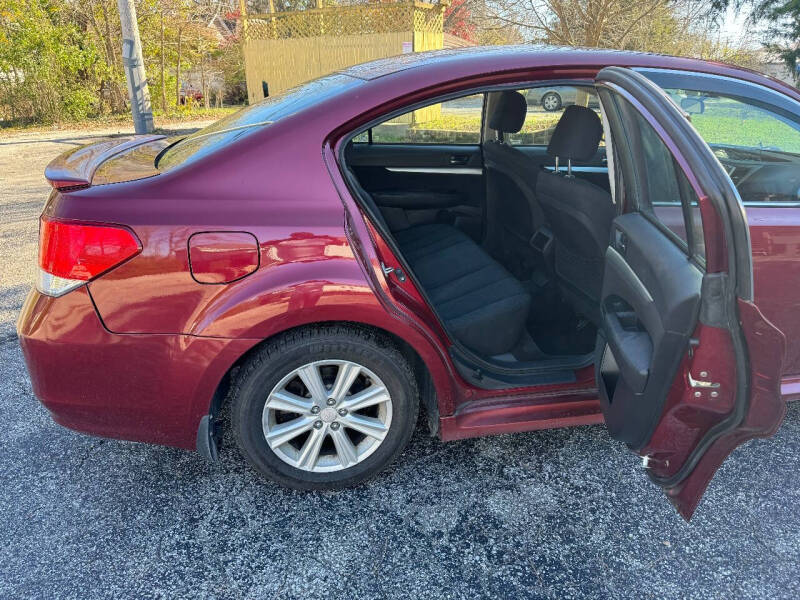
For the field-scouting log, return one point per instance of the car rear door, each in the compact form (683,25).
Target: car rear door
(687,366)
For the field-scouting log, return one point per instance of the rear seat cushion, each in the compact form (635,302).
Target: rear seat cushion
(483,305)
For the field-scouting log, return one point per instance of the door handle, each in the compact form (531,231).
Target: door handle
(620,241)
(459,159)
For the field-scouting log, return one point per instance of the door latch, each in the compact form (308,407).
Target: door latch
(702,384)
(398,272)
(648,462)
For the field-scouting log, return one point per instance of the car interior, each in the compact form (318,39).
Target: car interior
(504,228)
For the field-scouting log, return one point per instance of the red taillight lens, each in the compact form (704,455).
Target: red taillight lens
(81,252)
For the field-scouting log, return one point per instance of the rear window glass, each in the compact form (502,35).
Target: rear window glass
(249,119)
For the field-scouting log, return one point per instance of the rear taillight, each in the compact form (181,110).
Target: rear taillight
(70,254)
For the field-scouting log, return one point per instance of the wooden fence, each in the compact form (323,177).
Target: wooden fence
(287,48)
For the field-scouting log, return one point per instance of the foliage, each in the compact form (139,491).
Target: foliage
(60,60)
(45,62)
(783,29)
(458,20)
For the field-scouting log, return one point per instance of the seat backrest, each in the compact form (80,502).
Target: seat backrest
(513,213)
(579,213)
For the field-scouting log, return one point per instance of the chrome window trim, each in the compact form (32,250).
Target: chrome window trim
(585,169)
(757,204)
(441,170)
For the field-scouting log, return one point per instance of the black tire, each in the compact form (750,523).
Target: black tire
(553,107)
(279,357)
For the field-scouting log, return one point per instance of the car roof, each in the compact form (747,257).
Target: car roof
(387,66)
(476,59)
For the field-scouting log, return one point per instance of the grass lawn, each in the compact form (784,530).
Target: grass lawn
(458,128)
(752,132)
(170,118)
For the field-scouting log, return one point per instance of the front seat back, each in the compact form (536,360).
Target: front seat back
(513,214)
(579,213)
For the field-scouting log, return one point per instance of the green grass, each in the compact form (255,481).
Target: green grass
(461,129)
(752,132)
(534,123)
(162,120)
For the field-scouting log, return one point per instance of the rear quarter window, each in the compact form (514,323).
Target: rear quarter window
(251,118)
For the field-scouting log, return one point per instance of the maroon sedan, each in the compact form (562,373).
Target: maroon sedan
(413,232)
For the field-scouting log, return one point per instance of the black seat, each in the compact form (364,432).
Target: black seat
(482,305)
(579,213)
(513,212)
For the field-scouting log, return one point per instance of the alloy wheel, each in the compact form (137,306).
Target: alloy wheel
(551,101)
(327,416)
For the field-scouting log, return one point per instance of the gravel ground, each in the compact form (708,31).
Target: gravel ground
(562,513)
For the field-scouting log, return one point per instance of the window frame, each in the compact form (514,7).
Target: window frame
(485,89)
(738,89)
(630,166)
(427,103)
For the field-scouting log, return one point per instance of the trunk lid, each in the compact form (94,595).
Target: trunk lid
(111,161)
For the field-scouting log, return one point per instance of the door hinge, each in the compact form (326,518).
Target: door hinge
(398,272)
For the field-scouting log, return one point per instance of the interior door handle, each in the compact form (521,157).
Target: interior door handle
(459,159)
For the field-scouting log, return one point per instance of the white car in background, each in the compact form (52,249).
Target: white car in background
(553,99)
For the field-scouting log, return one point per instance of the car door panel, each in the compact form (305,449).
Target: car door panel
(423,183)
(687,366)
(651,299)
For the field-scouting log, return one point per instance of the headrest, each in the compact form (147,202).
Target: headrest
(577,134)
(508,112)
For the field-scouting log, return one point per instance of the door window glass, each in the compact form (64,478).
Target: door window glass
(663,191)
(759,148)
(456,121)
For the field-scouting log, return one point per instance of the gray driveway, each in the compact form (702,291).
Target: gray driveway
(561,514)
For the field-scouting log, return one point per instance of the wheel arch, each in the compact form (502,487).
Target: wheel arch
(430,389)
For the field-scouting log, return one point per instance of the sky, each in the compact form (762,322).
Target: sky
(734,29)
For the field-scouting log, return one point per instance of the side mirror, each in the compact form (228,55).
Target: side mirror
(693,105)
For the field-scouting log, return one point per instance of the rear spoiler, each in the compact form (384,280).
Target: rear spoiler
(74,169)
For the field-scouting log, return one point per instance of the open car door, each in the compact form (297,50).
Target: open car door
(687,366)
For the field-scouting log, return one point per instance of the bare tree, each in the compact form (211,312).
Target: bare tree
(595,23)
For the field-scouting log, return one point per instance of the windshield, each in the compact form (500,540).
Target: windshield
(250,119)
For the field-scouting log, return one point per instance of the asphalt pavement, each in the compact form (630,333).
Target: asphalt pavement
(552,514)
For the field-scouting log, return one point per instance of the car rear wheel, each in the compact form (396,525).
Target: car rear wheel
(324,408)
(551,102)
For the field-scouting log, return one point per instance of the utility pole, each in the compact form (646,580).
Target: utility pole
(161,56)
(133,63)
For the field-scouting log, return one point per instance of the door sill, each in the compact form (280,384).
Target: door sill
(502,415)
(491,376)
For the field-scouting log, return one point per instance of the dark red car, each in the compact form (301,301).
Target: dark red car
(413,232)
